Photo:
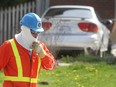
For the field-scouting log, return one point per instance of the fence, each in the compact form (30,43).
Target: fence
(10,17)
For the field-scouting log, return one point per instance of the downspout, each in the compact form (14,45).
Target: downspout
(47,3)
(38,7)
(113,34)
(41,6)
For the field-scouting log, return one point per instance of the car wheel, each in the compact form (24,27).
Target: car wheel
(104,53)
(96,53)
(89,51)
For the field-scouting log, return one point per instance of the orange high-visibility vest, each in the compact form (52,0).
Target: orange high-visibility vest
(21,69)
(20,76)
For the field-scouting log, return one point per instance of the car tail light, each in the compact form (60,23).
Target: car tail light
(46,25)
(88,27)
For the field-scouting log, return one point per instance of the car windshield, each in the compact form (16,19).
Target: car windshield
(69,12)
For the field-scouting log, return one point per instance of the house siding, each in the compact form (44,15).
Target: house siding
(105,8)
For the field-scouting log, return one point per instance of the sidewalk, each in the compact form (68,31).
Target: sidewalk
(63,64)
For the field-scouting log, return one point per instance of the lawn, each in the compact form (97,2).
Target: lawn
(84,72)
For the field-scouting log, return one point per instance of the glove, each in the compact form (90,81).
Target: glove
(37,47)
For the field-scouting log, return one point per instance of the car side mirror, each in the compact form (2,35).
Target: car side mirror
(107,22)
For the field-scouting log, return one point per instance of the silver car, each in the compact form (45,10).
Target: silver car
(73,27)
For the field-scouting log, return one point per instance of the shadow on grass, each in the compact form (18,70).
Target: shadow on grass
(43,83)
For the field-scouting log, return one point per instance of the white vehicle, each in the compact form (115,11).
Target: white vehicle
(70,27)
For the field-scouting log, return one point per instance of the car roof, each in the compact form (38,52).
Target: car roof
(72,6)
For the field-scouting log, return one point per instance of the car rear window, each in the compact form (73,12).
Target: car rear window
(69,12)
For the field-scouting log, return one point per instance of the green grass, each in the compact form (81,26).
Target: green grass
(85,71)
(80,75)
(1,78)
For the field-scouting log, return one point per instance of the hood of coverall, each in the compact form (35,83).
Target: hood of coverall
(25,38)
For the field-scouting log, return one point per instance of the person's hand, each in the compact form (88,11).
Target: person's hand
(37,47)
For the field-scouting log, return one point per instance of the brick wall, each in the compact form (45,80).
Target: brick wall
(105,8)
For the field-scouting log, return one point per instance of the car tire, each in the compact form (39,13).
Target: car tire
(96,53)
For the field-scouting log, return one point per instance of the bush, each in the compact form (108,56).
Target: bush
(81,57)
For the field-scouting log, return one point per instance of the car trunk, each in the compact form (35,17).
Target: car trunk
(64,30)
(67,26)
